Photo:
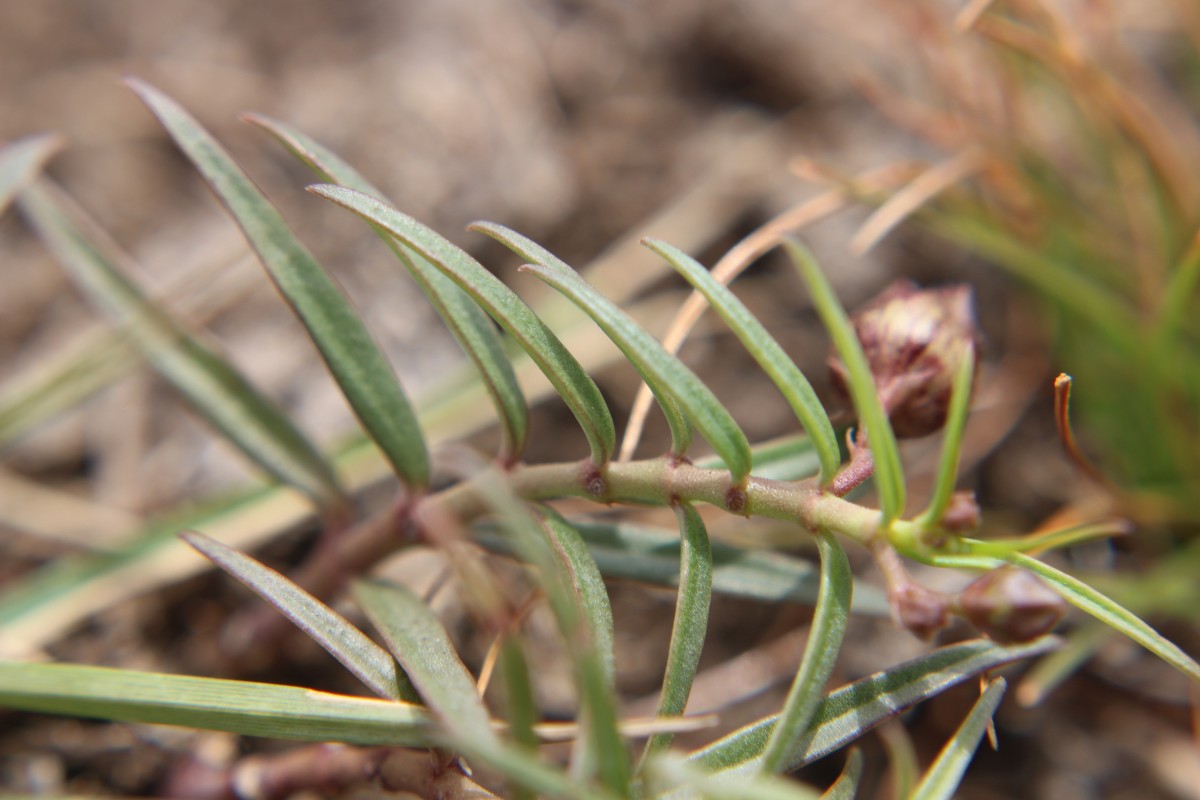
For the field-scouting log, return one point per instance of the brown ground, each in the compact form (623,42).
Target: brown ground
(573,122)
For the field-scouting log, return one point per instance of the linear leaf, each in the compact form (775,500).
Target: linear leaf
(1108,611)
(359,367)
(569,379)
(681,430)
(820,654)
(889,474)
(591,645)
(373,665)
(423,648)
(848,712)
(658,367)
(670,770)
(956,423)
(211,384)
(787,458)
(944,775)
(251,709)
(651,555)
(21,161)
(466,321)
(691,621)
(765,350)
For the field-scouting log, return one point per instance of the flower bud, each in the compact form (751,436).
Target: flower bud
(1011,605)
(914,341)
(921,610)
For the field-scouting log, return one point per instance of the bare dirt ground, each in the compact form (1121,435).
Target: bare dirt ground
(574,122)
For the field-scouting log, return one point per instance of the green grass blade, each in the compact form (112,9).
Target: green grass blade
(1087,599)
(848,712)
(211,384)
(687,781)
(691,621)
(591,644)
(651,555)
(677,421)
(243,707)
(422,646)
(889,473)
(766,351)
(21,161)
(956,423)
(846,786)
(661,370)
(465,319)
(943,776)
(373,665)
(569,379)
(820,654)
(359,367)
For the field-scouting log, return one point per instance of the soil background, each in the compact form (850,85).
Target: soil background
(576,123)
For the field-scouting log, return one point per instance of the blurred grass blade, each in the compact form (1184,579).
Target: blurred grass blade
(373,665)
(243,707)
(820,654)
(1085,598)
(848,712)
(691,621)
(569,379)
(21,161)
(360,369)
(423,648)
(662,371)
(889,473)
(651,555)
(677,421)
(213,386)
(465,319)
(943,776)
(591,643)
(846,786)
(766,351)
(952,435)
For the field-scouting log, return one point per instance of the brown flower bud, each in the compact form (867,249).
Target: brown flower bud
(921,610)
(1010,604)
(913,339)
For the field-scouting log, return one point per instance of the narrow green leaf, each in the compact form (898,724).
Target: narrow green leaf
(820,654)
(681,429)
(846,786)
(569,379)
(466,321)
(360,369)
(652,555)
(952,435)
(21,161)
(889,473)
(1085,598)
(659,369)
(766,351)
(591,644)
(943,776)
(691,621)
(849,712)
(423,648)
(373,665)
(211,384)
(243,707)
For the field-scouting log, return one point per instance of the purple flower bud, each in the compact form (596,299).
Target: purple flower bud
(1010,604)
(914,340)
